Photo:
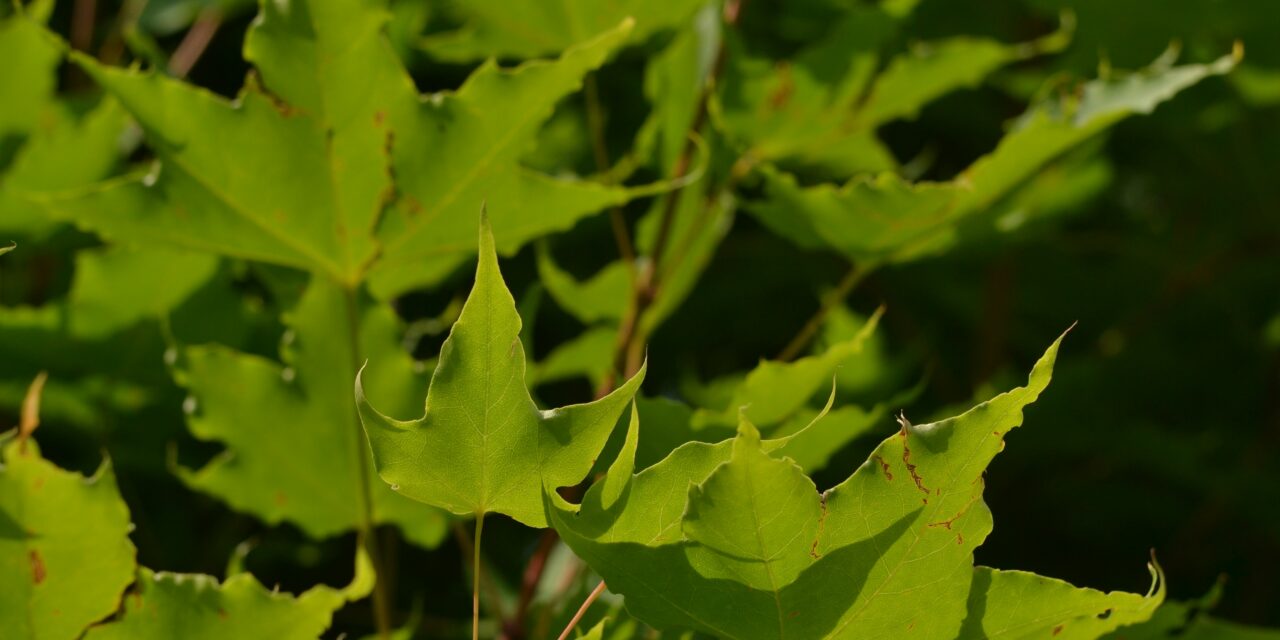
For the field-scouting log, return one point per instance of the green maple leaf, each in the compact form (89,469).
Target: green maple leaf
(484,128)
(734,540)
(174,605)
(299,172)
(26,89)
(821,109)
(886,218)
(162,278)
(295,451)
(65,555)
(483,446)
(528,28)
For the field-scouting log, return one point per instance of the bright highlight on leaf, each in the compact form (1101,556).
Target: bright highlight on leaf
(733,540)
(483,446)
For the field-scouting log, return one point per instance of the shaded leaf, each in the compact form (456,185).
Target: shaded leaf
(528,28)
(294,448)
(888,219)
(901,530)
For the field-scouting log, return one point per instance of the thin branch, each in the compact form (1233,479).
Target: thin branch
(193,44)
(83,16)
(595,123)
(529,583)
(586,604)
(830,301)
(629,346)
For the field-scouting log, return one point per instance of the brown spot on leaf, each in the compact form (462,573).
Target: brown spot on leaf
(822,521)
(222,614)
(280,499)
(794,614)
(38,571)
(906,460)
(1058,629)
(884,466)
(415,207)
(379,117)
(781,95)
(1104,615)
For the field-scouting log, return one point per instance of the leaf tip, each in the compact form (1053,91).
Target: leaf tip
(30,417)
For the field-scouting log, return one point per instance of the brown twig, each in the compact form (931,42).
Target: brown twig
(595,123)
(193,44)
(514,628)
(829,302)
(586,604)
(647,280)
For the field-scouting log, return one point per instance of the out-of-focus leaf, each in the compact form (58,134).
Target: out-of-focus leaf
(64,152)
(65,555)
(589,356)
(482,445)
(888,219)
(294,448)
(774,391)
(25,89)
(158,280)
(602,297)
(822,108)
(529,28)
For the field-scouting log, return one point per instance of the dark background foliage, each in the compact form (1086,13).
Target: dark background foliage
(1161,428)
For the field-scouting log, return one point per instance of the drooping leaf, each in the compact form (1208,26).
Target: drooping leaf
(1191,620)
(888,219)
(1017,604)
(851,562)
(528,28)
(294,448)
(65,554)
(175,605)
(482,445)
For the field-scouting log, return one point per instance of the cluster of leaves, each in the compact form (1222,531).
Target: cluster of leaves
(238,263)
